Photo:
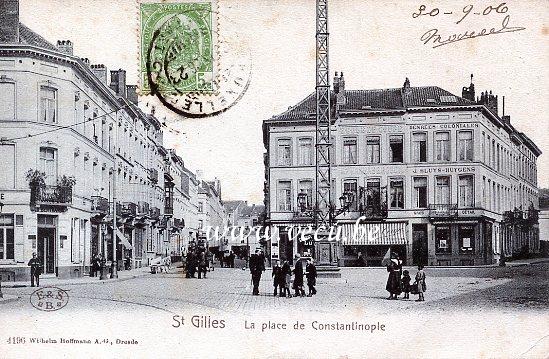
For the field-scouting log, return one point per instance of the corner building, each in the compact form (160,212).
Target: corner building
(441,179)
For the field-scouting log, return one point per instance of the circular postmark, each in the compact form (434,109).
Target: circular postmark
(49,299)
(177,70)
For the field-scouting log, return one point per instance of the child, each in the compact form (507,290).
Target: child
(405,283)
(420,280)
(278,279)
(287,275)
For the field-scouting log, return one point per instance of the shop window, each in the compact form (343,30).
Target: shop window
(443,244)
(420,192)
(349,151)
(466,235)
(396,149)
(372,149)
(7,238)
(419,147)
(397,193)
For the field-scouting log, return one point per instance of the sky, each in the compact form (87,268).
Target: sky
(377,44)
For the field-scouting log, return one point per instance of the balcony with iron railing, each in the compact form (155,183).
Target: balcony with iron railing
(376,211)
(143,208)
(155,213)
(153,175)
(446,210)
(129,209)
(100,205)
(59,196)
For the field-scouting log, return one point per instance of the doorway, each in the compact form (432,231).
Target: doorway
(419,244)
(46,248)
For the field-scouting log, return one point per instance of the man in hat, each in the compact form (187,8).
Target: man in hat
(298,276)
(257,266)
(36,269)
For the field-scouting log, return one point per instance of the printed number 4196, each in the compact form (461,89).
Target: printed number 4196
(16,340)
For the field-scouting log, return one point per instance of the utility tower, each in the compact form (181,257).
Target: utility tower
(323,199)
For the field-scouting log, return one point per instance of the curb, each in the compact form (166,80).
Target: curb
(8,300)
(79,283)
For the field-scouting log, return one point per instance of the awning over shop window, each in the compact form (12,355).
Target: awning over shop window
(123,239)
(374,234)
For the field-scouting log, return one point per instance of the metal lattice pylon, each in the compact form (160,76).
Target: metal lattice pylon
(323,177)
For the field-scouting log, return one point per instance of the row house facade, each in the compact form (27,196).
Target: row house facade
(211,213)
(72,144)
(441,179)
(250,219)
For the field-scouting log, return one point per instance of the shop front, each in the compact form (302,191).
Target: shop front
(365,244)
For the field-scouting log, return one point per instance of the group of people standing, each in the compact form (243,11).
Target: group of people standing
(197,260)
(399,280)
(282,278)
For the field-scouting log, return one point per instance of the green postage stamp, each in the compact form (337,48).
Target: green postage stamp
(177,47)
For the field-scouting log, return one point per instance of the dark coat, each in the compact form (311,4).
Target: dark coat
(278,276)
(311,274)
(393,282)
(36,266)
(405,282)
(286,269)
(256,264)
(298,274)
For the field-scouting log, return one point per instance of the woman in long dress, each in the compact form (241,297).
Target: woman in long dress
(420,280)
(393,282)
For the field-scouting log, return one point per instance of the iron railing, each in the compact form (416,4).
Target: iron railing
(143,208)
(51,195)
(100,205)
(443,210)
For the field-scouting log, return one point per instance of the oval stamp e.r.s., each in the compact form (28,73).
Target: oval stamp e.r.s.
(49,299)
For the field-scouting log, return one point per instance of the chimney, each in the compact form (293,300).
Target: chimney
(118,82)
(9,21)
(100,71)
(341,91)
(131,93)
(65,46)
(336,83)
(468,93)
(85,60)
(490,101)
(506,119)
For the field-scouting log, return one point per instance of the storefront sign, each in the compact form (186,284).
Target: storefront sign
(445,126)
(454,169)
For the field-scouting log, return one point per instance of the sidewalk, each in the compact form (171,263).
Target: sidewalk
(46,281)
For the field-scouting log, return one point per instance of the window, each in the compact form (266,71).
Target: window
(200,224)
(48,104)
(200,207)
(443,243)
(284,196)
(48,164)
(466,197)
(6,236)
(373,193)
(7,99)
(465,145)
(7,174)
(442,146)
(466,235)
(372,149)
(396,149)
(419,147)
(397,193)
(349,151)
(306,186)
(420,192)
(305,151)
(442,190)
(284,152)
(351,186)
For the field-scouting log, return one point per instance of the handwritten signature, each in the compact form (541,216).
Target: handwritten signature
(432,36)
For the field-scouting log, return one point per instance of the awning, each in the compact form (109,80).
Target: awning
(374,234)
(123,239)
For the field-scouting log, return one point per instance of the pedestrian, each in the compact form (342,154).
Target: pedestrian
(278,279)
(405,284)
(420,281)
(298,277)
(231,259)
(394,268)
(202,264)
(287,276)
(256,269)
(36,269)
(310,273)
